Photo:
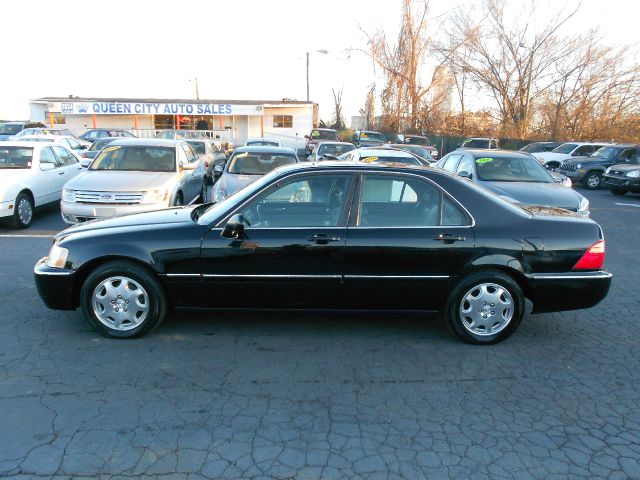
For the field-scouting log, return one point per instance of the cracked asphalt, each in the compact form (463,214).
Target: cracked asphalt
(321,395)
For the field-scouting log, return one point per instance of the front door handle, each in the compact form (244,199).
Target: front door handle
(60,173)
(449,238)
(323,238)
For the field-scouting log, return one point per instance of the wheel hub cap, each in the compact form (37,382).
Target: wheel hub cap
(486,309)
(24,211)
(120,303)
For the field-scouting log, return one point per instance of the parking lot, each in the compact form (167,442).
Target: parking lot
(320,395)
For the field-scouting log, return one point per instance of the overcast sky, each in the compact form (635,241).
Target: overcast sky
(238,49)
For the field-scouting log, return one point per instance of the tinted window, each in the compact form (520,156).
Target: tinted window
(10,129)
(511,169)
(64,156)
(141,158)
(565,148)
(476,143)
(372,137)
(198,147)
(584,150)
(15,157)
(629,154)
(333,149)
(247,163)
(310,201)
(391,201)
(417,140)
(452,215)
(324,135)
(262,143)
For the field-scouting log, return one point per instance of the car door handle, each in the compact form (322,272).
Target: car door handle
(449,238)
(60,173)
(323,238)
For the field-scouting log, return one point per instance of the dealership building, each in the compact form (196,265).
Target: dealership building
(230,120)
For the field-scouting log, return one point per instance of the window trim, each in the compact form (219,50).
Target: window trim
(357,196)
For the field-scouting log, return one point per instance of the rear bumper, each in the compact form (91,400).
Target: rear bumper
(55,286)
(554,292)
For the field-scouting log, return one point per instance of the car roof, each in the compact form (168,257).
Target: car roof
(333,165)
(263,149)
(385,151)
(262,139)
(20,143)
(335,142)
(400,146)
(147,142)
(496,153)
(588,143)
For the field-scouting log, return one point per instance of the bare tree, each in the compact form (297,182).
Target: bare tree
(368,112)
(338,118)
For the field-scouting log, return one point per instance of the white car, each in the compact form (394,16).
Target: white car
(262,142)
(554,158)
(32,174)
(133,175)
(70,143)
(382,155)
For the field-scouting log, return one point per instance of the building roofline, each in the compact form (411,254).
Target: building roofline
(71,98)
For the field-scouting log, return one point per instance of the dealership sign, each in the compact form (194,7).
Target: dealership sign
(126,108)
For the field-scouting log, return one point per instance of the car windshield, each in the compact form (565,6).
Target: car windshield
(605,152)
(531,148)
(417,150)
(324,135)
(335,150)
(565,148)
(197,146)
(476,143)
(254,163)
(512,169)
(262,143)
(10,129)
(138,158)
(408,160)
(15,157)
(99,144)
(373,137)
(417,140)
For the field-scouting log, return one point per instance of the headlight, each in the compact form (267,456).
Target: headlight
(633,174)
(584,206)
(579,165)
(155,196)
(607,170)
(219,193)
(68,195)
(57,257)
(566,181)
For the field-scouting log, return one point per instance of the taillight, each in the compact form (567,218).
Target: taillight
(593,257)
(206,164)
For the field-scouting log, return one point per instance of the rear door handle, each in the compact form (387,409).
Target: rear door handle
(449,238)
(323,238)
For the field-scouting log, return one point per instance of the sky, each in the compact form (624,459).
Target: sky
(237,49)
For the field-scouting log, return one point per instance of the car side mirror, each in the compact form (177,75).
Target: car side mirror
(234,227)
(45,167)
(217,170)
(465,174)
(85,163)
(307,137)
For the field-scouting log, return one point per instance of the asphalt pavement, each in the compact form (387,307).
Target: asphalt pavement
(320,395)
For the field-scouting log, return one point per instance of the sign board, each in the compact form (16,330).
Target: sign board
(119,108)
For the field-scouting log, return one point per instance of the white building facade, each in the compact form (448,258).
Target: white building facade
(231,121)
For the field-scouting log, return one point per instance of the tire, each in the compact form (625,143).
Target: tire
(552,166)
(178,201)
(111,313)
(203,192)
(618,191)
(22,211)
(487,324)
(592,180)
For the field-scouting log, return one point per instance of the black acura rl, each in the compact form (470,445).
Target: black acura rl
(333,235)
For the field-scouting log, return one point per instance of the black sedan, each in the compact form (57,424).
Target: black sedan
(333,234)
(514,176)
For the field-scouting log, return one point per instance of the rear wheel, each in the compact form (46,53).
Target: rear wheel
(179,201)
(120,299)
(486,307)
(22,211)
(618,191)
(592,180)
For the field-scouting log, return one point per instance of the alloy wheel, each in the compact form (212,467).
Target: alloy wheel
(25,211)
(486,309)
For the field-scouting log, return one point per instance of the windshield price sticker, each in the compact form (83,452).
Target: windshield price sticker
(484,160)
(369,159)
(111,149)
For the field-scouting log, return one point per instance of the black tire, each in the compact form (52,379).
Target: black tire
(156,303)
(23,211)
(592,180)
(618,191)
(203,192)
(467,285)
(552,166)
(178,201)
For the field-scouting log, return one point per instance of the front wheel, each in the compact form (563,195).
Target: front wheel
(179,201)
(120,299)
(486,307)
(592,180)
(618,191)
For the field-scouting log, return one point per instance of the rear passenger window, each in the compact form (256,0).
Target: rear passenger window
(452,215)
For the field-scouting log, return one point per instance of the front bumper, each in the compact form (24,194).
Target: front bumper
(574,175)
(627,183)
(6,209)
(55,286)
(73,212)
(555,292)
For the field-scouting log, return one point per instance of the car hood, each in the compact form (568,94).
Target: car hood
(120,181)
(232,182)
(625,167)
(156,217)
(542,194)
(548,156)
(576,160)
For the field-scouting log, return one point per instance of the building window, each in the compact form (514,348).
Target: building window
(58,118)
(283,121)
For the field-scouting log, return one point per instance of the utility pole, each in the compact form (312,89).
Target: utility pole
(197,89)
(307,76)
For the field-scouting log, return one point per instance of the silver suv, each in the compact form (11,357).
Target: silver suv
(134,175)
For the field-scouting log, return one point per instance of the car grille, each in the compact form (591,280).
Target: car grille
(614,181)
(125,198)
(568,167)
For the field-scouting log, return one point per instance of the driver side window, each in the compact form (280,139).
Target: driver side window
(307,201)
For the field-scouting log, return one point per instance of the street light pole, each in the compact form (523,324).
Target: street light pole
(528,95)
(324,52)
